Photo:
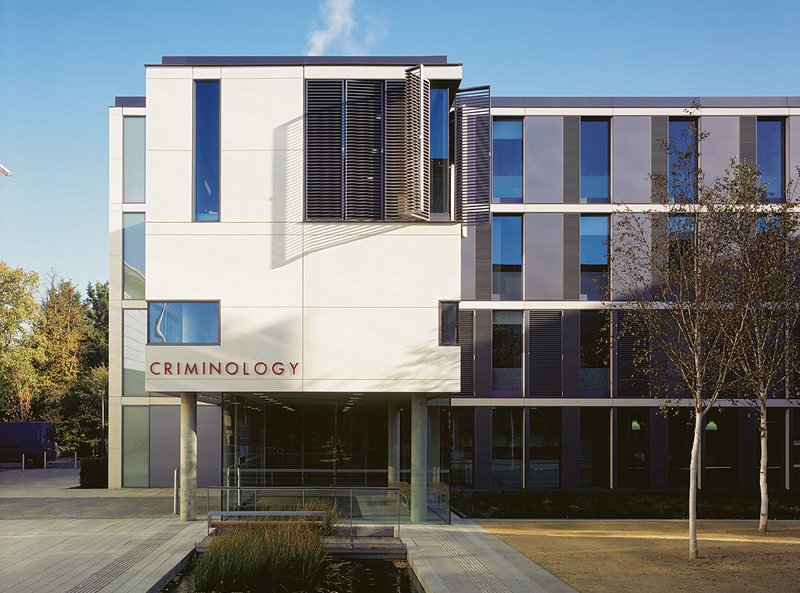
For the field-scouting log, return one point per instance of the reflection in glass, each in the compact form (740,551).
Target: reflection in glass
(133,258)
(720,449)
(449,324)
(134,329)
(206,150)
(633,447)
(770,156)
(507,351)
(135,446)
(595,160)
(183,323)
(462,439)
(594,373)
(133,160)
(544,448)
(507,257)
(594,257)
(439,150)
(507,447)
(507,160)
(595,447)
(682,174)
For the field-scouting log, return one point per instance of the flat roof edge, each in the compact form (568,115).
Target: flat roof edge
(775,101)
(302,61)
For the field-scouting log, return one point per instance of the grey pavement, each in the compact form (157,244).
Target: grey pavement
(465,558)
(56,537)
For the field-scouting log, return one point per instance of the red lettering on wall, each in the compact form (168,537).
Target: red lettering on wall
(190,368)
(293,366)
(214,367)
(167,368)
(260,368)
(244,369)
(152,368)
(277,368)
(235,368)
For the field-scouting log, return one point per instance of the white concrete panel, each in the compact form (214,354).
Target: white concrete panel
(115,181)
(377,349)
(362,265)
(262,72)
(134,111)
(115,134)
(263,185)
(242,271)
(169,185)
(169,114)
(215,229)
(262,114)
(357,72)
(259,348)
(207,73)
(155,71)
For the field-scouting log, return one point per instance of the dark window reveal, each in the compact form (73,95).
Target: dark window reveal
(448,323)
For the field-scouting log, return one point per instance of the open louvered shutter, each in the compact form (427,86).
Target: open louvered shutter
(473,155)
(363,150)
(323,155)
(395,149)
(466,339)
(544,351)
(417,200)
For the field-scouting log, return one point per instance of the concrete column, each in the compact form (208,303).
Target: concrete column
(393,448)
(188,462)
(434,438)
(419,458)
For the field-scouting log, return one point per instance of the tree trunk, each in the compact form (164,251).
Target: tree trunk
(693,471)
(762,471)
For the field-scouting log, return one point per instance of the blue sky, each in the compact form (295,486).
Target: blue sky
(62,63)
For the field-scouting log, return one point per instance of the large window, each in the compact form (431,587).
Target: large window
(595,448)
(633,447)
(507,160)
(770,156)
(134,333)
(682,173)
(440,151)
(594,257)
(206,150)
(720,449)
(679,445)
(594,353)
(507,257)
(507,351)
(135,446)
(462,446)
(133,239)
(183,322)
(595,160)
(133,159)
(507,447)
(544,448)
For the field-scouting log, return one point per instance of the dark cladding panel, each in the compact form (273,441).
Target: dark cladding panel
(544,246)
(630,139)
(544,159)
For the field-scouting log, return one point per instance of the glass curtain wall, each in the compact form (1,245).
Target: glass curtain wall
(462,447)
(594,369)
(595,447)
(544,448)
(633,447)
(507,438)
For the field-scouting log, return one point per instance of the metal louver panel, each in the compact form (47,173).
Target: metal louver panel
(747,139)
(324,194)
(395,150)
(631,381)
(466,333)
(483,262)
(659,157)
(544,352)
(416,204)
(363,155)
(473,154)
(572,240)
(572,159)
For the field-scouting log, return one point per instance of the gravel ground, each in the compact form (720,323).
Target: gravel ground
(652,556)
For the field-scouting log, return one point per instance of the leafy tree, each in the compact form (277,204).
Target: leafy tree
(18,355)
(96,307)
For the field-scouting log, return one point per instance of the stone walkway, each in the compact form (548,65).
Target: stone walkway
(55,537)
(465,558)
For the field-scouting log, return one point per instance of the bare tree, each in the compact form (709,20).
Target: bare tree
(765,288)
(669,279)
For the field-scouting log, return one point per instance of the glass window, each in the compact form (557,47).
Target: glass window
(594,257)
(595,447)
(507,447)
(448,324)
(594,353)
(135,446)
(682,174)
(507,257)
(679,446)
(507,160)
(183,323)
(462,446)
(770,156)
(206,150)
(720,449)
(133,233)
(776,447)
(794,435)
(133,159)
(595,160)
(439,150)
(507,351)
(633,447)
(544,448)
(134,328)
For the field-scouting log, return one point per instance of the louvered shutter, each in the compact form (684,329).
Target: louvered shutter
(747,139)
(631,381)
(659,158)
(473,154)
(544,352)
(417,202)
(395,150)
(466,333)
(572,159)
(324,196)
(363,150)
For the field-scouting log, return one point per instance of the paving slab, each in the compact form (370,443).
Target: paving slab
(465,558)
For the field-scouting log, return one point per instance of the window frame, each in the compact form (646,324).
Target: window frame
(521,199)
(442,305)
(182,301)
(194,149)
(609,199)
